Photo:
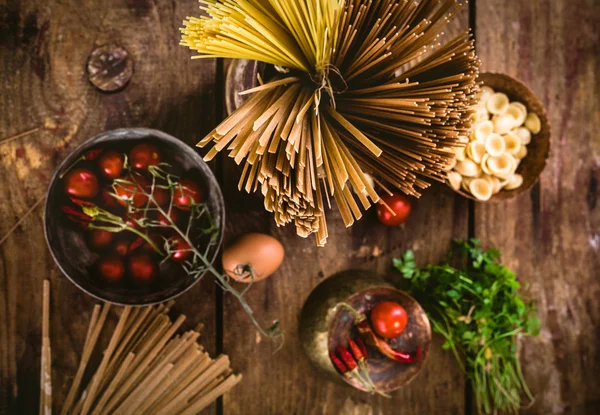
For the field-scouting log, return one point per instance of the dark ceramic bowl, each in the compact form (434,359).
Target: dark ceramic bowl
(323,327)
(67,242)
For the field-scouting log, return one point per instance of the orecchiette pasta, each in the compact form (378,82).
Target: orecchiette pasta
(512,143)
(481,189)
(497,103)
(524,134)
(454,180)
(467,168)
(494,147)
(516,180)
(482,130)
(503,123)
(533,123)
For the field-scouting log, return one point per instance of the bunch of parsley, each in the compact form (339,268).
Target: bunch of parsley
(479,311)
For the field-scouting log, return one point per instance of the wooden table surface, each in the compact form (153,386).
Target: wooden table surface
(550,236)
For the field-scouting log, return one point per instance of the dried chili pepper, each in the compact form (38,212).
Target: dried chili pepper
(77,216)
(358,354)
(346,357)
(92,154)
(339,365)
(363,348)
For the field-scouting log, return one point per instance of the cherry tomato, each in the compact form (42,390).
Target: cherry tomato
(100,239)
(111,269)
(180,250)
(81,183)
(132,191)
(401,206)
(388,319)
(111,164)
(133,219)
(162,196)
(143,155)
(186,194)
(142,268)
(175,215)
(122,247)
(109,202)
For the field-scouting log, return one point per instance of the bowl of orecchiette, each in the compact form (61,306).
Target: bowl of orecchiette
(509,143)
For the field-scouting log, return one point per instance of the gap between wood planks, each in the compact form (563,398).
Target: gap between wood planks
(219,116)
(471,206)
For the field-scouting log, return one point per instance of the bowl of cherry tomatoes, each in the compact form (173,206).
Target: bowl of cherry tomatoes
(134,217)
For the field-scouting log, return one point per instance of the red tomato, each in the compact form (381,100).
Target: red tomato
(134,218)
(81,183)
(109,202)
(122,247)
(180,248)
(142,268)
(175,215)
(132,191)
(388,319)
(162,196)
(111,269)
(111,164)
(144,155)
(401,206)
(100,239)
(186,194)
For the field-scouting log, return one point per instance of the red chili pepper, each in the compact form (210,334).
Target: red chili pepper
(346,357)
(80,202)
(77,216)
(363,347)
(93,154)
(355,350)
(370,338)
(339,365)
(136,244)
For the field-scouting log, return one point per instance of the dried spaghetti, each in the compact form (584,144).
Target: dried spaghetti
(366,88)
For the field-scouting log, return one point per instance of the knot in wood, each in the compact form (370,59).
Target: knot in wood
(109,68)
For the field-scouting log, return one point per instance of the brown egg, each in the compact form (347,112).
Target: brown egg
(261,253)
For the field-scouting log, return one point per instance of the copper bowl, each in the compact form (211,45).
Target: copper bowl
(323,326)
(67,243)
(538,150)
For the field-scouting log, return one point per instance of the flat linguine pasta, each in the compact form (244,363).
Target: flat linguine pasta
(367,88)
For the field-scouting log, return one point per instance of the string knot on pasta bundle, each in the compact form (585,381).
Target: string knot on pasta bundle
(363,87)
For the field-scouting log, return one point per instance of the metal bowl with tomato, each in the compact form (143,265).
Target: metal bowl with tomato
(119,267)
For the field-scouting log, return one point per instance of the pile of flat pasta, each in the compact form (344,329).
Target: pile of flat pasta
(363,87)
(496,145)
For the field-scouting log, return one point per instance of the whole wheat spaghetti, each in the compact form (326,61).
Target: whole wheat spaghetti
(364,87)
(146,368)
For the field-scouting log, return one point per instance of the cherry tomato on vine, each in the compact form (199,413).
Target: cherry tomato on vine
(186,194)
(388,319)
(133,219)
(400,204)
(111,269)
(109,202)
(180,250)
(162,197)
(100,239)
(142,268)
(122,247)
(81,183)
(111,164)
(133,190)
(175,216)
(143,155)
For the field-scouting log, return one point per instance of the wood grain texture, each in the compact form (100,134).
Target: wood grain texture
(551,235)
(44,47)
(285,382)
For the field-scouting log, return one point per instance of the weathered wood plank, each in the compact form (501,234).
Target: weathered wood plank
(551,236)
(43,52)
(285,382)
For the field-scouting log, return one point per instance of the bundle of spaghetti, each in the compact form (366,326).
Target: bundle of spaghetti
(363,87)
(147,367)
